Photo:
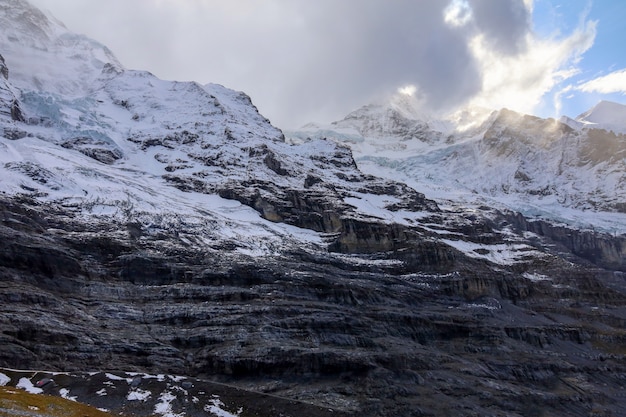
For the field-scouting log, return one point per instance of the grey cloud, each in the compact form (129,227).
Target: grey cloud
(300,60)
(363,49)
(504,23)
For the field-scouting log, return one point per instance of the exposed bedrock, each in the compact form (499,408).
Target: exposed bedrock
(416,329)
(601,248)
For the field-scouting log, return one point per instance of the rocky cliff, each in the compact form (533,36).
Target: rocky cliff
(421,329)
(9,105)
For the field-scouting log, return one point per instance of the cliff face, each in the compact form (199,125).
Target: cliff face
(9,105)
(421,328)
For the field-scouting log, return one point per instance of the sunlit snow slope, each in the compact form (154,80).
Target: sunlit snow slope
(571,171)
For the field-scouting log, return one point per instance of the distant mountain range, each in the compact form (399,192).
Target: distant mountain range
(569,170)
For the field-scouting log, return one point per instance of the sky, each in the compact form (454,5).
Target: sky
(315,61)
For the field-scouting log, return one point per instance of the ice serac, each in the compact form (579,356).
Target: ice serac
(168,227)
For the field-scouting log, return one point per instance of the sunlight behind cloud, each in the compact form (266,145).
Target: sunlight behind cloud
(407,90)
(458,13)
(520,82)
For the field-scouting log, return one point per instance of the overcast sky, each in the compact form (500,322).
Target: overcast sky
(305,60)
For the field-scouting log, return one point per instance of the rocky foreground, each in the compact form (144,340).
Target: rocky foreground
(421,329)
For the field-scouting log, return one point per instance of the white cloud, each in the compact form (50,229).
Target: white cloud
(408,90)
(458,13)
(614,82)
(521,81)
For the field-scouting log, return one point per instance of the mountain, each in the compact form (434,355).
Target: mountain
(569,171)
(66,63)
(163,244)
(606,115)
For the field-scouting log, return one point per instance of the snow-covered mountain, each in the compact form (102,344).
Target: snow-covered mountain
(167,228)
(103,138)
(568,170)
(44,55)
(605,115)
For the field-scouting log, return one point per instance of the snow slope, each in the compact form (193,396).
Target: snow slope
(569,171)
(108,141)
(605,115)
(44,55)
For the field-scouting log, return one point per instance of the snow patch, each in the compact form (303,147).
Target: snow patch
(216,407)
(502,254)
(138,395)
(164,406)
(536,277)
(65,393)
(27,385)
(487,306)
(4,380)
(118,378)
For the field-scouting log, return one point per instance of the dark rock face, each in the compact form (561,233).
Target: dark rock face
(4,70)
(602,249)
(100,150)
(414,328)
(9,105)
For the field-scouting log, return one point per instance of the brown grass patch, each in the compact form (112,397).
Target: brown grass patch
(16,402)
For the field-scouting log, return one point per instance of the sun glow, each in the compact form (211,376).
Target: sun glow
(458,13)
(519,82)
(408,90)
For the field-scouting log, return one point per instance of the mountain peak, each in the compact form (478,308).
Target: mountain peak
(24,22)
(44,55)
(607,115)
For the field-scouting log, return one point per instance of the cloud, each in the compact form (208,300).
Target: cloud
(520,81)
(458,13)
(304,61)
(614,82)
(503,24)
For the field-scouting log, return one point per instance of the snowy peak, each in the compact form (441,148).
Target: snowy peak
(605,115)
(400,121)
(559,168)
(25,24)
(525,128)
(400,116)
(125,144)
(45,56)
